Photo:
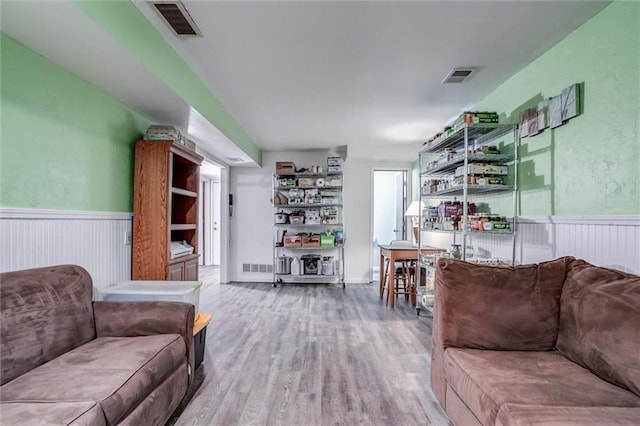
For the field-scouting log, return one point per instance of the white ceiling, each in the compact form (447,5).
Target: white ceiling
(318,74)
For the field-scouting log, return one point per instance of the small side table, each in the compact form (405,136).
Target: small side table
(200,336)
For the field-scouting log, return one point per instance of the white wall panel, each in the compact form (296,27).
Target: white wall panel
(93,240)
(611,241)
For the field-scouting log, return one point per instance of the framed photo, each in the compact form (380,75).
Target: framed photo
(555,112)
(523,123)
(543,110)
(570,102)
(532,121)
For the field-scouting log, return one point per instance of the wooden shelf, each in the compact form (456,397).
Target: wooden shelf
(165,209)
(182,226)
(184,192)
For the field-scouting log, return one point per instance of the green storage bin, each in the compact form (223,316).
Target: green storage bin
(326,241)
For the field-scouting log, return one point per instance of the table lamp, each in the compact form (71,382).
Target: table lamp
(413,212)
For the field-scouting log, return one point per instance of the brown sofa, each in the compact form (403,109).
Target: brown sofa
(68,360)
(557,343)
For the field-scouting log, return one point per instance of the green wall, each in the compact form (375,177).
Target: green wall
(590,165)
(128,26)
(64,144)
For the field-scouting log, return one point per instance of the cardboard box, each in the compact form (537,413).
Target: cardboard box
(306,182)
(333,181)
(497,226)
(483,169)
(334,161)
(285,167)
(292,241)
(312,240)
(286,182)
(490,181)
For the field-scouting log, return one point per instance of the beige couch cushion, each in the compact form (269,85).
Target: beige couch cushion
(486,380)
(600,323)
(116,372)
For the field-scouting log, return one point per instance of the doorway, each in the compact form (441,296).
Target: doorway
(389,205)
(210,225)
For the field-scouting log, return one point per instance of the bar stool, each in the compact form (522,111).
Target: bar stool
(405,273)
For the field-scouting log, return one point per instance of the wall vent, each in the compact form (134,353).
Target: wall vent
(257,267)
(458,75)
(175,15)
(235,160)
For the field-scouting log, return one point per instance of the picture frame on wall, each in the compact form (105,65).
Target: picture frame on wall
(555,111)
(543,110)
(570,102)
(523,123)
(532,121)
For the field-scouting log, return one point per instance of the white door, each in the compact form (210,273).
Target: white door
(209,208)
(389,205)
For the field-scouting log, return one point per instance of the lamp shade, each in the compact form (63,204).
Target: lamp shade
(414,208)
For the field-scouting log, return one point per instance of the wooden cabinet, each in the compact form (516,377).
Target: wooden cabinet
(165,209)
(184,268)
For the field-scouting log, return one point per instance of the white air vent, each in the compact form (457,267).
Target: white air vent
(459,75)
(177,18)
(235,160)
(257,267)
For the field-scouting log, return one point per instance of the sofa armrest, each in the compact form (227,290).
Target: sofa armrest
(141,318)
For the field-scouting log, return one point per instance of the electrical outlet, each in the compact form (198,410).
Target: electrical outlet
(127,238)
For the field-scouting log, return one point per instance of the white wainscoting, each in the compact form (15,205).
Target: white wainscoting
(33,238)
(610,241)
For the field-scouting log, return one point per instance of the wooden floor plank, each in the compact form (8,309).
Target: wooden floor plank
(310,355)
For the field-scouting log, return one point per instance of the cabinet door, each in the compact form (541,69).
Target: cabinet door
(191,270)
(175,271)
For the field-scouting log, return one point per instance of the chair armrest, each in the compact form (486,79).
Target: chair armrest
(141,318)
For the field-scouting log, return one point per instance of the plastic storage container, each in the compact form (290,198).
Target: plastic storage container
(170,291)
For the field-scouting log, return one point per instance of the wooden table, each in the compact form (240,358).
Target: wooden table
(201,321)
(391,254)
(200,324)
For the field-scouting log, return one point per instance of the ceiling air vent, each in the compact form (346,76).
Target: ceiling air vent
(177,18)
(458,75)
(235,160)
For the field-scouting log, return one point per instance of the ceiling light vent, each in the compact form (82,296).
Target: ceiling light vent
(458,75)
(235,160)
(175,15)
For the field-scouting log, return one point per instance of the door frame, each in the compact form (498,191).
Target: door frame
(385,168)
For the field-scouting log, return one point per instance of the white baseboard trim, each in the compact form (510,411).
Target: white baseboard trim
(26,213)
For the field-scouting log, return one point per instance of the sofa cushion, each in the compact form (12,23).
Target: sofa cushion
(87,413)
(486,380)
(599,321)
(543,415)
(45,313)
(529,321)
(161,402)
(116,372)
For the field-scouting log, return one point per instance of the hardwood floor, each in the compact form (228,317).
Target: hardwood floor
(310,355)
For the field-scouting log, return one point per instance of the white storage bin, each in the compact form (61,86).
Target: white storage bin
(170,291)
